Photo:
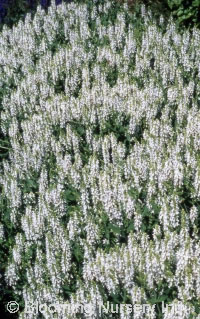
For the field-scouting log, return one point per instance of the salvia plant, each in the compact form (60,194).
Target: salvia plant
(100,161)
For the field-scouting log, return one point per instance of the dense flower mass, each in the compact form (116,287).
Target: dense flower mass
(102,180)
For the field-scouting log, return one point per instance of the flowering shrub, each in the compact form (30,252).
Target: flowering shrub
(100,170)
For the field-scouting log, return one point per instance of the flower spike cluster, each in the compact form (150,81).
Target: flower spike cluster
(102,180)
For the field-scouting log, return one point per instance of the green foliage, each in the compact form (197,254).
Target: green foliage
(163,293)
(112,232)
(60,86)
(80,130)
(6,246)
(4,148)
(70,286)
(196,304)
(108,231)
(29,185)
(71,196)
(119,296)
(118,124)
(185,11)
(110,17)
(149,216)
(58,131)
(112,75)
(17,9)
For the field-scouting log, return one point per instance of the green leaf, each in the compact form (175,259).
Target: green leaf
(78,253)
(81,130)
(71,195)
(107,234)
(145,211)
(196,3)
(130,227)
(180,12)
(114,228)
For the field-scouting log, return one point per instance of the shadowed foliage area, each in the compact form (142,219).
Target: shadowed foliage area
(185,12)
